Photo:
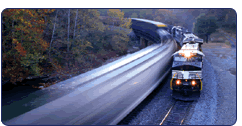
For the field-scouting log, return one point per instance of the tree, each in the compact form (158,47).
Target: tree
(24,48)
(162,14)
(119,41)
(226,18)
(115,16)
(205,25)
(70,36)
(134,15)
(75,25)
(53,32)
(68,33)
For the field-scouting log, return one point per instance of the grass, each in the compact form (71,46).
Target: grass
(219,37)
(228,43)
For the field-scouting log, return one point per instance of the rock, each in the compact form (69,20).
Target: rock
(41,87)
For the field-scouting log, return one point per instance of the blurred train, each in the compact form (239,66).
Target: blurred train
(148,30)
(186,82)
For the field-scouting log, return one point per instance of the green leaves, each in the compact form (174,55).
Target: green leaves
(205,24)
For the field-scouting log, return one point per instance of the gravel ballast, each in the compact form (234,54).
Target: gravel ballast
(217,104)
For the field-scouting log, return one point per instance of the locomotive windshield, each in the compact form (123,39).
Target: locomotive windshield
(196,58)
(183,63)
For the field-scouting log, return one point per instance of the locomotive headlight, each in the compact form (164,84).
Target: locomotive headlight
(178,82)
(187,54)
(193,83)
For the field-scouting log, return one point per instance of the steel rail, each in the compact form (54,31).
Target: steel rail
(167,114)
(234,40)
(231,39)
(177,113)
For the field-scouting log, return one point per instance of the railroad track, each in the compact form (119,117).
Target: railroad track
(177,113)
(231,39)
(174,114)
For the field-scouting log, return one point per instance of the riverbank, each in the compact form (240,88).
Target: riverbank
(14,92)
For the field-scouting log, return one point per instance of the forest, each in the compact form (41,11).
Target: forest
(62,43)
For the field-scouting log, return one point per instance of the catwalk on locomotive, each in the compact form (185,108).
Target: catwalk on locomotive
(186,83)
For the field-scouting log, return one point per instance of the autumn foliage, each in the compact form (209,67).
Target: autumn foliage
(23,46)
(60,42)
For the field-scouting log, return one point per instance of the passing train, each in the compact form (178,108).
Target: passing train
(148,30)
(186,82)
